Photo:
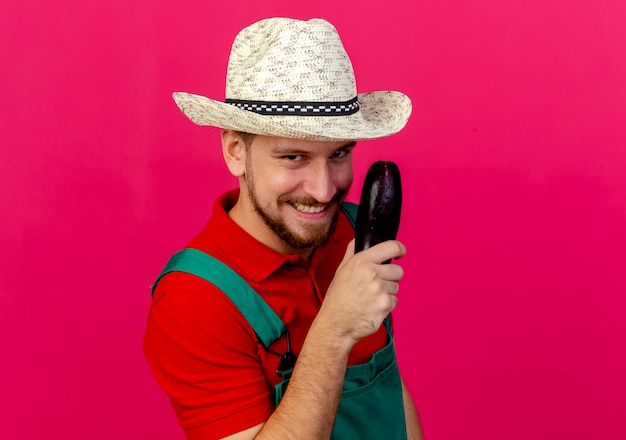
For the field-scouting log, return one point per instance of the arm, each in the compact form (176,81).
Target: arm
(413,428)
(360,297)
(310,403)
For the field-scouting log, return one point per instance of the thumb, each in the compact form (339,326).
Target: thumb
(349,254)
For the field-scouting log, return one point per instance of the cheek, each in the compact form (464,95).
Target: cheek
(343,177)
(280,183)
(346,182)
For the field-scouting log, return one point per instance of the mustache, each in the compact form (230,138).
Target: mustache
(311,201)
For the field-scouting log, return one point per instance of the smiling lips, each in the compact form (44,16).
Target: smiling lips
(309,209)
(308,205)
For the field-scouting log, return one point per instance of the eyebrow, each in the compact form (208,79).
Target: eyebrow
(294,151)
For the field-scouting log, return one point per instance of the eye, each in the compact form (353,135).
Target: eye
(340,154)
(293,157)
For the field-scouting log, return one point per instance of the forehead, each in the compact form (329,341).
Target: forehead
(273,144)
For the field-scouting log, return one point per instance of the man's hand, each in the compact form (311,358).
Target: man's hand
(363,291)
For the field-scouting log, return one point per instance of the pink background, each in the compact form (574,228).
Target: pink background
(511,321)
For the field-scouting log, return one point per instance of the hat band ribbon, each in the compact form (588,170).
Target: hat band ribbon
(298,108)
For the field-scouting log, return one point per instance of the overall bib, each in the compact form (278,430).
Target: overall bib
(371,405)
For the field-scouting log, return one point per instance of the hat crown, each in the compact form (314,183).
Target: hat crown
(288,60)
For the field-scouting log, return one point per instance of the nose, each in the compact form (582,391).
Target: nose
(319,183)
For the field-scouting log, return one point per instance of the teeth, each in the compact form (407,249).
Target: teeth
(309,209)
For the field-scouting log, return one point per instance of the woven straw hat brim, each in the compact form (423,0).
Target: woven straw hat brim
(381,114)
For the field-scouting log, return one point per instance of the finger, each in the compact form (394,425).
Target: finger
(395,301)
(388,302)
(386,251)
(391,288)
(391,272)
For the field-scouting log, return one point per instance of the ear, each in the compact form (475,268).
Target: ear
(234,151)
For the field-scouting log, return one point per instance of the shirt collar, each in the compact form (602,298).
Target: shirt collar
(253,257)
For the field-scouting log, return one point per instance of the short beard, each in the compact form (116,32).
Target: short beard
(317,235)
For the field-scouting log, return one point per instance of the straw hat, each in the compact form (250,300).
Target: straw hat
(293,78)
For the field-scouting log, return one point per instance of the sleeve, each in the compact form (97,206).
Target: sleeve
(204,355)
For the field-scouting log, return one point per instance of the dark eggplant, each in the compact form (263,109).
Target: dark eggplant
(378,216)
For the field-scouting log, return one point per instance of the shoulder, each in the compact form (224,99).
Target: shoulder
(204,355)
(190,306)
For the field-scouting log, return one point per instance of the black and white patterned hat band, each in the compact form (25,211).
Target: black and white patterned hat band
(298,108)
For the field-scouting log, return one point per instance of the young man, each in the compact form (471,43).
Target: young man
(268,325)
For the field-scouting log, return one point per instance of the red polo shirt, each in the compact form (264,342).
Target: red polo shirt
(203,352)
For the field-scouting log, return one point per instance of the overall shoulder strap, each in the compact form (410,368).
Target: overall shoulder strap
(350,210)
(266,324)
